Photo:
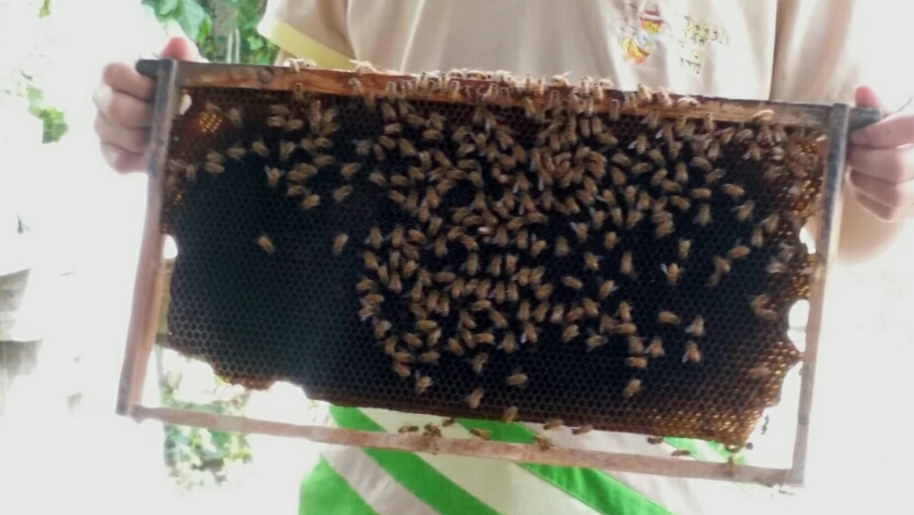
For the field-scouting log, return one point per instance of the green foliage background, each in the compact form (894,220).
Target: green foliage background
(224,30)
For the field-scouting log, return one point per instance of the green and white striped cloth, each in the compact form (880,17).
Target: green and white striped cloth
(353,481)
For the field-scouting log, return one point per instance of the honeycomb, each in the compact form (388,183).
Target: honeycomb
(522,248)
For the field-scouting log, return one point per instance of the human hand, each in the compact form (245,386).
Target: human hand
(124,101)
(881,157)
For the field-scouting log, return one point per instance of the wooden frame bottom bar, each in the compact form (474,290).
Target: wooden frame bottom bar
(528,453)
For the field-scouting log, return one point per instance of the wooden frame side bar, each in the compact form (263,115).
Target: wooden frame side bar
(826,236)
(147,290)
(528,453)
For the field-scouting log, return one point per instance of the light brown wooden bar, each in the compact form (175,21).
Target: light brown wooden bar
(528,453)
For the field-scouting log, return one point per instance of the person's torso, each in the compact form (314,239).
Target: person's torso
(711,47)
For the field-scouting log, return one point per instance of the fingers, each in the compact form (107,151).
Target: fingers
(110,133)
(123,161)
(882,211)
(894,130)
(888,193)
(894,165)
(180,49)
(121,108)
(124,78)
(865,96)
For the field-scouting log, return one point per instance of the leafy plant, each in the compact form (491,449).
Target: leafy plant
(52,119)
(197,456)
(224,30)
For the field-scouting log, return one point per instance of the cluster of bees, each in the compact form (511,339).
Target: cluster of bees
(531,217)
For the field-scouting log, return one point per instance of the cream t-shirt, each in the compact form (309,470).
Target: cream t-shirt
(809,51)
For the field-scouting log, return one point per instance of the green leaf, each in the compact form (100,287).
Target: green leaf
(165,8)
(45,9)
(191,18)
(255,43)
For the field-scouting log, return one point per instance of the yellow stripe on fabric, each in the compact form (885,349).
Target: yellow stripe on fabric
(288,38)
(592,487)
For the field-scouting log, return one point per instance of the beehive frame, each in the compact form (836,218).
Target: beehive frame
(173,76)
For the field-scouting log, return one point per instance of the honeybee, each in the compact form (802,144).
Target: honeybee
(475,398)
(703,218)
(692,353)
(738,252)
(686,102)
(276,121)
(349,169)
(701,193)
(482,434)
(561,247)
(594,341)
(655,348)
(570,332)
(626,266)
(509,415)
(684,247)
(264,242)
(754,152)
(402,370)
(721,265)
(672,273)
(479,362)
(697,327)
(542,442)
(516,379)
(765,115)
(664,229)
(733,191)
(423,383)
(431,430)
(678,453)
(273,175)
(640,144)
(341,193)
(770,224)
(339,242)
(621,159)
(703,163)
(636,362)
(632,388)
(758,372)
(713,151)
(607,288)
(233,114)
(744,211)
(591,261)
(236,151)
(408,429)
(624,311)
(668,317)
(552,423)
(635,345)
(323,160)
(757,239)
(213,168)
(311,201)
(775,266)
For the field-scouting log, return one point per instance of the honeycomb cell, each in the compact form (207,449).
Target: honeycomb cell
(476,229)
